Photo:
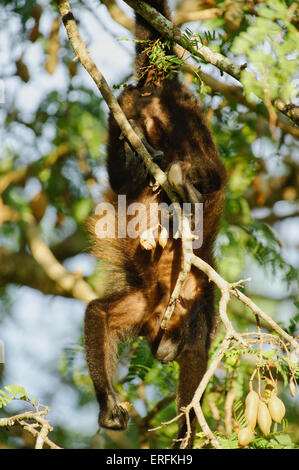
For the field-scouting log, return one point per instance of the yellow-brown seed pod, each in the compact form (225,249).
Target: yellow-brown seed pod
(292,387)
(147,240)
(264,418)
(39,204)
(276,408)
(53,47)
(251,408)
(245,436)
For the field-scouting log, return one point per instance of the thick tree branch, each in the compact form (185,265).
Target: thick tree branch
(231,92)
(172,32)
(21,269)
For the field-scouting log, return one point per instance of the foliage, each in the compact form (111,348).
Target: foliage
(53,146)
(271,45)
(12,392)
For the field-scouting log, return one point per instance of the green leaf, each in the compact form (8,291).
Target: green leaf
(141,361)
(270,354)
(16,391)
(81,209)
(16,198)
(283,440)
(267,13)
(279,7)
(229,443)
(4,399)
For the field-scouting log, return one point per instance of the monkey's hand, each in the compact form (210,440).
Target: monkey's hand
(177,177)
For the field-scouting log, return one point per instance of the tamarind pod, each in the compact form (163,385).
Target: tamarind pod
(251,408)
(245,436)
(264,418)
(276,408)
(292,388)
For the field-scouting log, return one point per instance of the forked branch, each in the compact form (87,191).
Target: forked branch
(36,423)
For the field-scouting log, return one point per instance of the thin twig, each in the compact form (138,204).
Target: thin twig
(40,421)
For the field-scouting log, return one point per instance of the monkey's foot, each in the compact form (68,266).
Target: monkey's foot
(115,418)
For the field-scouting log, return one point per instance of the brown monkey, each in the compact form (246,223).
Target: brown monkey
(140,282)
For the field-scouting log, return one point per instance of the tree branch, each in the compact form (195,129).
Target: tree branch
(118,15)
(289,109)
(21,269)
(236,94)
(19,175)
(68,282)
(183,16)
(172,32)
(39,418)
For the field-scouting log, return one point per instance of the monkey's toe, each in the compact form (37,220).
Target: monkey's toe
(116,418)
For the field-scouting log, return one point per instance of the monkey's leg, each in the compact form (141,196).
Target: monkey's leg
(193,364)
(100,346)
(105,323)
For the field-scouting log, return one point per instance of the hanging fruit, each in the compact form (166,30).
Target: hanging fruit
(251,408)
(264,418)
(276,408)
(245,436)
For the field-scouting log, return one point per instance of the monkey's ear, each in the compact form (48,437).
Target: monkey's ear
(155,131)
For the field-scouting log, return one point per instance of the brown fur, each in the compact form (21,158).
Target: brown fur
(140,282)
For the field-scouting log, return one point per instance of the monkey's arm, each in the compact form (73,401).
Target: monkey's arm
(127,172)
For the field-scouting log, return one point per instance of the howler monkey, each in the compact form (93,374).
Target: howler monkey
(140,282)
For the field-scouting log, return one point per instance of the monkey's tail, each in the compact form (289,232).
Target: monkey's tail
(145,32)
